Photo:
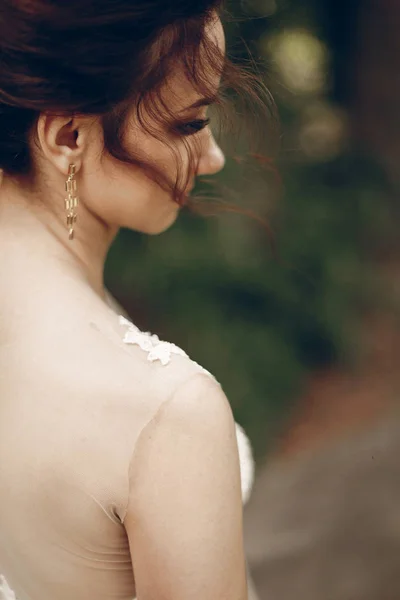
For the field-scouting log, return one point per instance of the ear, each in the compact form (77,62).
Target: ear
(63,140)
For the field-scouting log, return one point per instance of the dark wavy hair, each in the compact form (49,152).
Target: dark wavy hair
(102,58)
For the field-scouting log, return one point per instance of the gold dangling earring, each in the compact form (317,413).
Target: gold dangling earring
(72,201)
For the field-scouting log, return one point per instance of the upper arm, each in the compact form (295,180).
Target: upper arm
(184,517)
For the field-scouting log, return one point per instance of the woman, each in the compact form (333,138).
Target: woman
(120,472)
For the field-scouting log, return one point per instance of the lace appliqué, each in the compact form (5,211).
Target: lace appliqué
(150,343)
(6,592)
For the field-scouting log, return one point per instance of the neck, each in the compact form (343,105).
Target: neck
(29,228)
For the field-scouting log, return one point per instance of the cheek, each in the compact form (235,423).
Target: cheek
(170,158)
(123,196)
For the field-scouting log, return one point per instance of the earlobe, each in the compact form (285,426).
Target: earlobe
(57,138)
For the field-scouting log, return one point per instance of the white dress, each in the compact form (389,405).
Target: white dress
(158,350)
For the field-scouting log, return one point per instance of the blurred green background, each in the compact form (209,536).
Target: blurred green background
(213,286)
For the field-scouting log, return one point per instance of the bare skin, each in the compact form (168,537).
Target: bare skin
(35,253)
(56,326)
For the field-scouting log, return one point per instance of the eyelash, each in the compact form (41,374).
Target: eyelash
(197,125)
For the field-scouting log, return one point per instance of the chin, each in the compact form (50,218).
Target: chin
(157,227)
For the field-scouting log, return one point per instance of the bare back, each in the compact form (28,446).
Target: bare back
(74,398)
(74,401)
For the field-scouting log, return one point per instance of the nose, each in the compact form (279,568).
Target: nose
(212,159)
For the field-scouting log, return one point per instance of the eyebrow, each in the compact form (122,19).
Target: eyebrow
(207,101)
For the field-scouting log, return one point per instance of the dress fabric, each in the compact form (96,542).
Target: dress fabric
(63,491)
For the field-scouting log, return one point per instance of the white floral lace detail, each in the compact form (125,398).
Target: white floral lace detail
(6,592)
(150,343)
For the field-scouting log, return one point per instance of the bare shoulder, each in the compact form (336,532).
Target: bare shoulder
(198,402)
(185,509)
(192,428)
(93,347)
(79,358)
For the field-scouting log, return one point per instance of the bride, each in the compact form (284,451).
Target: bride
(122,471)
